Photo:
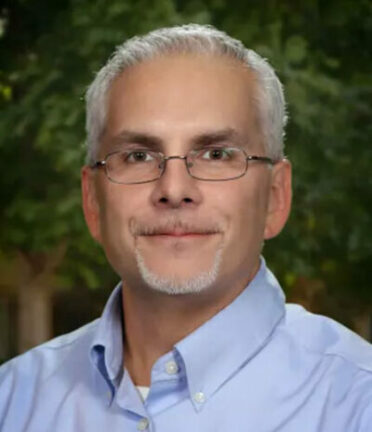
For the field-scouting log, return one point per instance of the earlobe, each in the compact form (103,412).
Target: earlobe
(90,203)
(280,199)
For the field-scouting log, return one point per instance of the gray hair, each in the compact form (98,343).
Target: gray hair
(189,39)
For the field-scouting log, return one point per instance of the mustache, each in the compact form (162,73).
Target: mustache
(180,226)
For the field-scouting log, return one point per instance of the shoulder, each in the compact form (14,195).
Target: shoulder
(48,352)
(328,338)
(23,375)
(335,361)
(342,358)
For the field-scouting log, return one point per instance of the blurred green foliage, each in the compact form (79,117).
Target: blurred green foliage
(49,52)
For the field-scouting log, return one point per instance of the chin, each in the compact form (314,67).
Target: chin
(175,284)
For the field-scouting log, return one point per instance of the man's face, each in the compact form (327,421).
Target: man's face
(179,234)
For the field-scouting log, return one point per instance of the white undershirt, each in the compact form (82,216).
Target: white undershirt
(143,392)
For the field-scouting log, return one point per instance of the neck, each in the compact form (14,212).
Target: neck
(154,322)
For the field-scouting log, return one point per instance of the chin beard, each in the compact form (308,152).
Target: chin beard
(174,286)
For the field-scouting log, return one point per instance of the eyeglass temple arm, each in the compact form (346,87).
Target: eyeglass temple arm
(98,164)
(261,158)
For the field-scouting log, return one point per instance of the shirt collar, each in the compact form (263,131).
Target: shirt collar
(214,351)
(106,350)
(217,349)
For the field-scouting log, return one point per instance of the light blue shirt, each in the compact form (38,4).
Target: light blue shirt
(256,366)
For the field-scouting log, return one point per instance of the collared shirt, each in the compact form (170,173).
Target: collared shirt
(257,365)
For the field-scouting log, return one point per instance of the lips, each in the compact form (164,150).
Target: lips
(176,229)
(180,234)
(180,238)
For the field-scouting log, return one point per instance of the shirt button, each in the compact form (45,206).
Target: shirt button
(171,368)
(199,397)
(143,424)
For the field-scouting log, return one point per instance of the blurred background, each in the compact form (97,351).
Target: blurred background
(53,278)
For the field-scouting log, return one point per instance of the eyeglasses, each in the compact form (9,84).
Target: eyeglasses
(135,166)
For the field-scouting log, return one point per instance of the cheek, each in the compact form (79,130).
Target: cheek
(245,206)
(118,206)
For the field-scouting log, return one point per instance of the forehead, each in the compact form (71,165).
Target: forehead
(179,96)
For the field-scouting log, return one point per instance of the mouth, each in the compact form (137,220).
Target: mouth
(175,231)
(179,235)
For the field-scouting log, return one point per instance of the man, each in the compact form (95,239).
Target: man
(185,180)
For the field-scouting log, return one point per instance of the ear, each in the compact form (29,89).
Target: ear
(90,202)
(280,197)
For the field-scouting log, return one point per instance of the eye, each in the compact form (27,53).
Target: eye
(138,156)
(215,154)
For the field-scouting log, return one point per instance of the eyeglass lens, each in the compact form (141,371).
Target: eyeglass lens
(138,166)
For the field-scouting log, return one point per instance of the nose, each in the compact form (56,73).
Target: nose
(176,188)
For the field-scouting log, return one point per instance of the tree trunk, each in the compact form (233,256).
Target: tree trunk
(34,317)
(362,325)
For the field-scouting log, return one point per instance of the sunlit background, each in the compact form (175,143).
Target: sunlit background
(53,278)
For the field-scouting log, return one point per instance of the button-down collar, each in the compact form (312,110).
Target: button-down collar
(209,355)
(217,349)
(106,349)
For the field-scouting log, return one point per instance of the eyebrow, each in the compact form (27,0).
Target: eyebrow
(131,137)
(215,137)
(156,143)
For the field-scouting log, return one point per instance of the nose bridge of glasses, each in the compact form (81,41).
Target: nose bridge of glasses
(168,158)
